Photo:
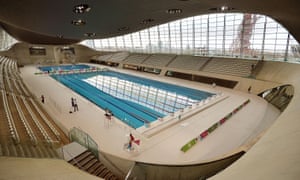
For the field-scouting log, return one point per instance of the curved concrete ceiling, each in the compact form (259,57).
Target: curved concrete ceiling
(49,21)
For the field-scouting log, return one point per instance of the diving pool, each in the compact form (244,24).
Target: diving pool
(134,100)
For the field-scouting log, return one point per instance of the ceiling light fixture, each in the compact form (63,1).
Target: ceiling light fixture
(81,8)
(125,28)
(90,34)
(147,21)
(37,47)
(222,8)
(78,22)
(174,11)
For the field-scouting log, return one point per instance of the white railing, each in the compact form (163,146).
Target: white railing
(130,171)
(17,87)
(24,89)
(1,74)
(9,67)
(15,70)
(1,81)
(5,61)
(9,84)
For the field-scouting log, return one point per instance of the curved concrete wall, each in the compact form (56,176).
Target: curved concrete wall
(197,171)
(276,155)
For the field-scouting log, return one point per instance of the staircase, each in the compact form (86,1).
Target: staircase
(86,161)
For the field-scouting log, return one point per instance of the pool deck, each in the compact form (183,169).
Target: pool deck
(164,144)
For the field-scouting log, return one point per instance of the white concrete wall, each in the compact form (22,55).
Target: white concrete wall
(277,154)
(20,52)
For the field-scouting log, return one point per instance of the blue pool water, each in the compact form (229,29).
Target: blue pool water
(132,99)
(64,67)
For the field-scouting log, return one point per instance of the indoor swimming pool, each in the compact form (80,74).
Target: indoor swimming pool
(134,100)
(64,67)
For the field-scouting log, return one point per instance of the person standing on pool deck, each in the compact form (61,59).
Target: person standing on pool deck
(249,89)
(75,105)
(131,139)
(72,103)
(43,99)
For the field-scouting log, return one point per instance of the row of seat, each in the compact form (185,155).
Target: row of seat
(8,83)
(227,66)
(8,112)
(1,72)
(232,67)
(159,60)
(37,123)
(10,73)
(136,58)
(105,57)
(17,86)
(49,124)
(24,89)
(188,62)
(14,66)
(13,69)
(27,150)
(113,57)
(7,66)
(11,125)
(29,131)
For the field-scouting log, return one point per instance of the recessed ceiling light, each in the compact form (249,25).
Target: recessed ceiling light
(78,22)
(81,8)
(89,34)
(147,21)
(60,36)
(125,28)
(174,11)
(37,47)
(222,8)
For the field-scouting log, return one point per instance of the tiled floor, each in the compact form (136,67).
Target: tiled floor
(164,145)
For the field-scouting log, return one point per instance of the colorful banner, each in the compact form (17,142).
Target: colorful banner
(189,145)
(212,128)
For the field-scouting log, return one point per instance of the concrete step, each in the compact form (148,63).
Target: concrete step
(1,154)
(34,152)
(42,151)
(20,151)
(5,150)
(26,151)
(13,150)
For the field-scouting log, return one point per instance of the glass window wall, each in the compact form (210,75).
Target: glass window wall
(249,36)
